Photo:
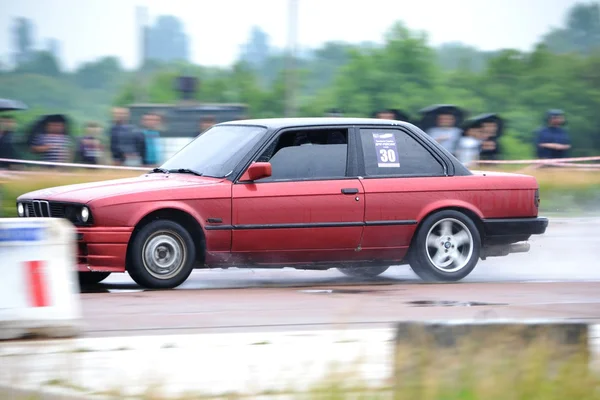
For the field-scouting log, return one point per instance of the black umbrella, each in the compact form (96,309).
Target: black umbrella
(487,153)
(11,105)
(490,117)
(431,113)
(478,121)
(39,126)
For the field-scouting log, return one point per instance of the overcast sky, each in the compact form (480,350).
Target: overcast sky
(88,29)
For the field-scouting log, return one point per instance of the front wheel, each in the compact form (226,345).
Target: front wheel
(363,272)
(162,255)
(446,247)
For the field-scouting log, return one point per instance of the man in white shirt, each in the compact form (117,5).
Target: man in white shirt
(446,133)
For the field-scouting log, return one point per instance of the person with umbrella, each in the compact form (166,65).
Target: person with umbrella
(50,138)
(552,141)
(7,148)
(491,127)
(441,122)
(468,148)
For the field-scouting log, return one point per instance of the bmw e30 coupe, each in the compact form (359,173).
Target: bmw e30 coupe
(355,194)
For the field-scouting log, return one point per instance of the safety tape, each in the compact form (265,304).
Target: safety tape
(538,161)
(562,162)
(73,165)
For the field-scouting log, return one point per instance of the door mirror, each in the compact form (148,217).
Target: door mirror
(256,171)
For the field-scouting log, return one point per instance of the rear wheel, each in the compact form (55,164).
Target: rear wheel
(92,278)
(162,255)
(446,247)
(364,272)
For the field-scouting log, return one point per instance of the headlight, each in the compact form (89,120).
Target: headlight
(20,209)
(85,214)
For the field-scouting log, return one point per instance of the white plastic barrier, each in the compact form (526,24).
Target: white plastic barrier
(39,289)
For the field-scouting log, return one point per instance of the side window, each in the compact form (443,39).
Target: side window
(307,154)
(394,152)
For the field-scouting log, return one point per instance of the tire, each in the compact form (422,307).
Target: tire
(91,278)
(364,272)
(162,255)
(458,253)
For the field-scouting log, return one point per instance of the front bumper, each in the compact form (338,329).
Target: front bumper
(102,249)
(512,230)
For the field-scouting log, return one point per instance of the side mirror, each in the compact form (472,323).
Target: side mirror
(256,171)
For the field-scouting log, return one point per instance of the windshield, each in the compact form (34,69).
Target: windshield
(217,151)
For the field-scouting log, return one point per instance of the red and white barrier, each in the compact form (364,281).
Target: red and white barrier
(39,289)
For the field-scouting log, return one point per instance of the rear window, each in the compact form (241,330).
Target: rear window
(390,152)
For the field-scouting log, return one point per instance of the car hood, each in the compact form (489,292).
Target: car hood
(87,192)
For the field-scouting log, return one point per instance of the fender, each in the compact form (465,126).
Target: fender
(176,205)
(447,203)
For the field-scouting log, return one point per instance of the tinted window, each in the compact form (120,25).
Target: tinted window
(307,154)
(217,151)
(394,152)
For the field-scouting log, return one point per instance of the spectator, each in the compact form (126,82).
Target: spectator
(552,141)
(151,152)
(392,114)
(53,142)
(124,141)
(468,148)
(446,132)
(490,148)
(386,114)
(90,149)
(7,147)
(206,123)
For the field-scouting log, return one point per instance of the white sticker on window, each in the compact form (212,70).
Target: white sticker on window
(387,153)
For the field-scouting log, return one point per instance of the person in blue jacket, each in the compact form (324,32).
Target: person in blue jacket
(553,141)
(151,150)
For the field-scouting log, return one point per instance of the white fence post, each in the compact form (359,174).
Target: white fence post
(39,289)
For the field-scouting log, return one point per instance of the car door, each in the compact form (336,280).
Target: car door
(309,210)
(401,175)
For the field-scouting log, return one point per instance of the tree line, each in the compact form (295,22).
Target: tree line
(405,72)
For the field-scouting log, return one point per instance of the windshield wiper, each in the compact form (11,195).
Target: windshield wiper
(186,171)
(164,171)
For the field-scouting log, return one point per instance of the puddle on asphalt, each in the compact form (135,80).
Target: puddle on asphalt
(444,303)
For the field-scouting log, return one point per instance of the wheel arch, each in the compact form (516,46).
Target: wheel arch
(469,211)
(185,219)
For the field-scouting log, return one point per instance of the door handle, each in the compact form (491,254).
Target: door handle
(350,191)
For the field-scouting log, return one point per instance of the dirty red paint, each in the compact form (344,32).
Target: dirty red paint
(287,223)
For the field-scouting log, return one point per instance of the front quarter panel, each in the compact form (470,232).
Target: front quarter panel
(209,202)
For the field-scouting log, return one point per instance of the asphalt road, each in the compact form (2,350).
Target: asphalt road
(558,278)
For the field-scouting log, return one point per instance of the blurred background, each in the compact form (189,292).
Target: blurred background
(270,58)
(158,73)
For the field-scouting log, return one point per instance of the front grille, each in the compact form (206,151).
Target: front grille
(57,210)
(43,208)
(38,208)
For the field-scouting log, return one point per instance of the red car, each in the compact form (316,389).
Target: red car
(310,193)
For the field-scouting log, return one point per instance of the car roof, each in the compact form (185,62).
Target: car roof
(277,123)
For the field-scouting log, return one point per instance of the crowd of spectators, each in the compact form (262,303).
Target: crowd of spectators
(131,145)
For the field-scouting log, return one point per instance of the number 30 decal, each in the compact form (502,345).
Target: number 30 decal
(387,155)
